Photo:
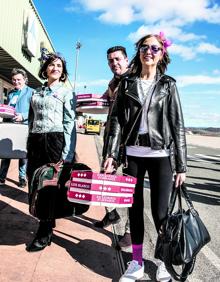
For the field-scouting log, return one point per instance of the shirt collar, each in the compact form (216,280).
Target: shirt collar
(17,90)
(53,87)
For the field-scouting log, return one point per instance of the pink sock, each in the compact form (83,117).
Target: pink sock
(137,253)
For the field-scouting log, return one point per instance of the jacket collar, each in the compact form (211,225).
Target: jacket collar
(132,84)
(53,87)
(119,77)
(20,90)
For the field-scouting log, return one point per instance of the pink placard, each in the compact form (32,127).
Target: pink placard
(6,111)
(92,103)
(89,175)
(102,187)
(87,96)
(99,199)
(97,110)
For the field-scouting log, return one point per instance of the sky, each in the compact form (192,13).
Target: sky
(192,26)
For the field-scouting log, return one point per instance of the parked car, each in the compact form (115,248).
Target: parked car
(92,126)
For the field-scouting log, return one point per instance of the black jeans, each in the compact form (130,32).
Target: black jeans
(161,182)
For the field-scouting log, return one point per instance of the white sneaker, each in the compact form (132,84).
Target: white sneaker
(162,274)
(133,272)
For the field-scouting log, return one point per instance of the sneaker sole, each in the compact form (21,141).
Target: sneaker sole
(164,280)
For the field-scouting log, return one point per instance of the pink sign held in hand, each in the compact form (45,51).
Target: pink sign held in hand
(101,189)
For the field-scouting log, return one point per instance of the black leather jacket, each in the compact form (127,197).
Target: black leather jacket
(165,120)
(111,94)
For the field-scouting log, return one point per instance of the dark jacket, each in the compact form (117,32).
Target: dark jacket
(165,120)
(111,94)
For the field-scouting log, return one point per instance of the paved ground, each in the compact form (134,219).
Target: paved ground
(79,252)
(203,141)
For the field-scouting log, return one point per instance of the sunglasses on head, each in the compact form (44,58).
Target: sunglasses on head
(153,48)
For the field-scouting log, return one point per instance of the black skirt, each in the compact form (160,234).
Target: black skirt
(43,148)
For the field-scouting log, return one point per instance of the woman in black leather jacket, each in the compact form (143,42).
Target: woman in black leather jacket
(147,118)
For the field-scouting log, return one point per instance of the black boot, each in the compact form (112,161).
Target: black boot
(110,218)
(43,236)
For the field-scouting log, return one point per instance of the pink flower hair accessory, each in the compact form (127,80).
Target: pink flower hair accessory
(166,42)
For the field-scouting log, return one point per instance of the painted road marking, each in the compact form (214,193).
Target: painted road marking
(203,158)
(208,157)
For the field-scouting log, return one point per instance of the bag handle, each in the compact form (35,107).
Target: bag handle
(186,196)
(56,166)
(176,193)
(188,267)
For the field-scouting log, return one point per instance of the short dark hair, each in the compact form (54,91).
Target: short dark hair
(117,48)
(16,71)
(50,58)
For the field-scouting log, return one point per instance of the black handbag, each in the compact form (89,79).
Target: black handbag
(48,192)
(182,236)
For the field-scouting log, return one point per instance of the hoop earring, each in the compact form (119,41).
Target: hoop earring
(63,77)
(44,75)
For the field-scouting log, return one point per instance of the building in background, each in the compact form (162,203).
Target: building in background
(23,42)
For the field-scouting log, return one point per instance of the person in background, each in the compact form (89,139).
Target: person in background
(118,63)
(156,144)
(52,133)
(19,98)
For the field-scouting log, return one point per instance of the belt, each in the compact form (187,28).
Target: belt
(143,140)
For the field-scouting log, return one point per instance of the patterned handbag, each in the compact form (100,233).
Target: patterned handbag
(48,192)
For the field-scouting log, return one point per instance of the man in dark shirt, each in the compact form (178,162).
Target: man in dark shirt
(118,63)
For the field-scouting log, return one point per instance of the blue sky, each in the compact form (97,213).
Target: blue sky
(193,27)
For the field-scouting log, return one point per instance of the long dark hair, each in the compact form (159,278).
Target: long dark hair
(135,64)
(50,58)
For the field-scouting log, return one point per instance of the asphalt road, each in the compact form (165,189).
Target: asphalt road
(203,182)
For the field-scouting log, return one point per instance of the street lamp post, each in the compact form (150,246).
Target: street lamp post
(78,46)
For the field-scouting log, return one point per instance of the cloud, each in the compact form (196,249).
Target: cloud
(171,31)
(216,72)
(208,48)
(182,12)
(121,15)
(172,17)
(184,81)
(191,52)
(186,51)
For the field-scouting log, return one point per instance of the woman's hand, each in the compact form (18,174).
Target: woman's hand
(180,179)
(18,118)
(109,165)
